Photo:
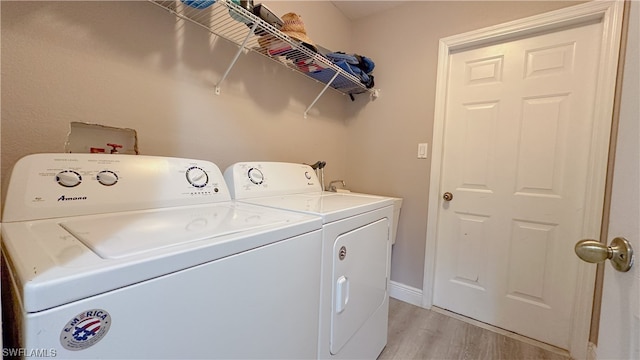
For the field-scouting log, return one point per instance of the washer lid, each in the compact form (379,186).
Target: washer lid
(58,261)
(121,235)
(331,206)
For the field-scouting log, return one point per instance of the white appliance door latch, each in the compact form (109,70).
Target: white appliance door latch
(342,294)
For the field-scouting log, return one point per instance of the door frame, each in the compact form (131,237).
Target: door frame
(610,15)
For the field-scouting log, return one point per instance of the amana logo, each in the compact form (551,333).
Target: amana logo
(66,198)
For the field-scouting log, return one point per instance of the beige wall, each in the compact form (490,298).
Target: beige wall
(383,137)
(129,64)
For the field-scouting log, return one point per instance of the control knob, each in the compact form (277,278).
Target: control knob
(107,178)
(256,176)
(197,177)
(68,178)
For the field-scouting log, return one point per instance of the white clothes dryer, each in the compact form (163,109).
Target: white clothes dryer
(356,249)
(131,257)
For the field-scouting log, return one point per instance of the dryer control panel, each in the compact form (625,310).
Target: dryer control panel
(57,185)
(257,179)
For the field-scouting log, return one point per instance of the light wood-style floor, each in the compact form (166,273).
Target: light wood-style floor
(417,333)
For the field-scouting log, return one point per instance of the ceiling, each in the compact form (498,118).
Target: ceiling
(355,10)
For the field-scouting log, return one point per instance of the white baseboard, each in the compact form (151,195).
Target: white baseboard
(405,293)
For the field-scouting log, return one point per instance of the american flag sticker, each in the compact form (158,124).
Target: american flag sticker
(85,329)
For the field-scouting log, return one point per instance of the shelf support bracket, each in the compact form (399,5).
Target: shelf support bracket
(321,92)
(241,49)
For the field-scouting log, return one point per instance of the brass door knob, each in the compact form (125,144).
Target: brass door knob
(620,252)
(447,196)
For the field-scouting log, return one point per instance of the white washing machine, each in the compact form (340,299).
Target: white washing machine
(356,249)
(131,257)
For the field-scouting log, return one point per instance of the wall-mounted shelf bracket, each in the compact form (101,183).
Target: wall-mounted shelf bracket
(241,49)
(321,92)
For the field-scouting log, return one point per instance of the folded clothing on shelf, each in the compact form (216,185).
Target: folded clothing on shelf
(354,60)
(356,65)
(310,65)
(273,45)
(199,4)
(316,65)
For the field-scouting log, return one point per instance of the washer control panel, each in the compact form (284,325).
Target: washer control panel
(257,179)
(56,185)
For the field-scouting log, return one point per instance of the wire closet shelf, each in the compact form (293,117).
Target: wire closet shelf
(236,24)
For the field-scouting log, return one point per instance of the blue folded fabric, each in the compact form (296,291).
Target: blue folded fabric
(356,65)
(362,62)
(355,71)
(366,64)
(199,4)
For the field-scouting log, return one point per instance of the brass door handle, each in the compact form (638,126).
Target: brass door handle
(447,196)
(620,252)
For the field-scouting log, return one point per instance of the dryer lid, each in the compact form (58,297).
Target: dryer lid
(331,206)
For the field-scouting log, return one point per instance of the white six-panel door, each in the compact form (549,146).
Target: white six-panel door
(518,128)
